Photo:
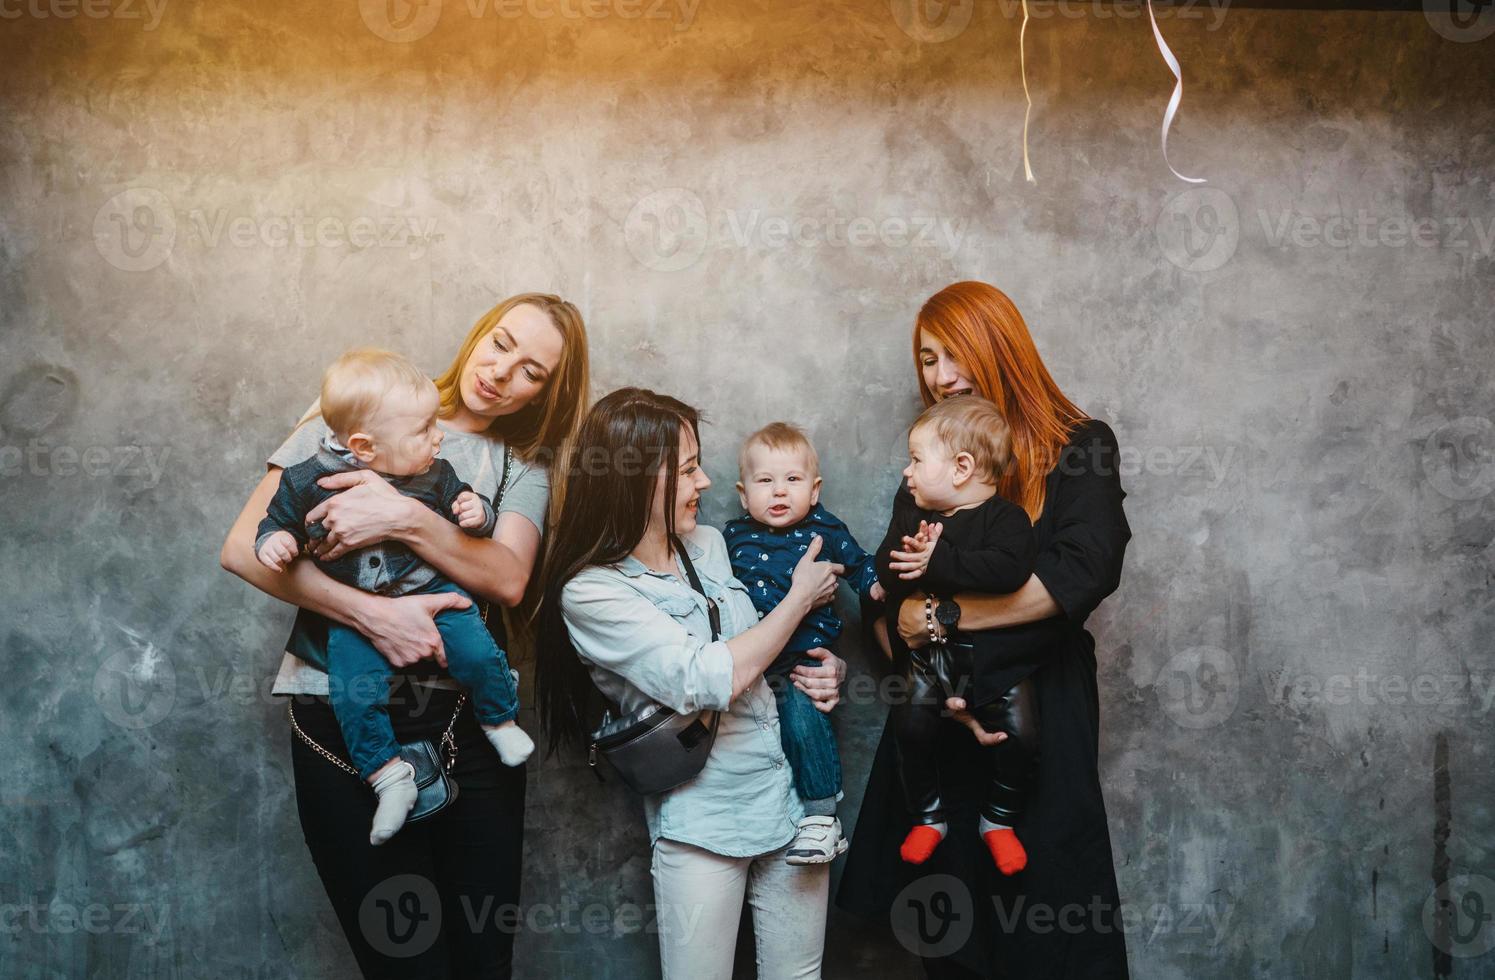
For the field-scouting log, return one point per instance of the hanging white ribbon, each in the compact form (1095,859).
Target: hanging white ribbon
(1178,92)
(1022,57)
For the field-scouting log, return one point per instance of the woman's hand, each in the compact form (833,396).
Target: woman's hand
(815,581)
(367,511)
(404,630)
(821,683)
(912,624)
(958,711)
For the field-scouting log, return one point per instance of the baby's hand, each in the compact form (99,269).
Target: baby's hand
(877,592)
(469,509)
(279,550)
(911,562)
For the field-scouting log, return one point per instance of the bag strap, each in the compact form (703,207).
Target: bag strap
(448,738)
(713,613)
(695,583)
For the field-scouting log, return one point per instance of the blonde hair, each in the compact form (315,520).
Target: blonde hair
(356,384)
(971,424)
(778,435)
(543,426)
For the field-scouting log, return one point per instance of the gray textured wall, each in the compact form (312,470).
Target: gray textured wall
(206,202)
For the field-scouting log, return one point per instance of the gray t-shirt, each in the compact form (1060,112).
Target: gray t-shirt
(478,460)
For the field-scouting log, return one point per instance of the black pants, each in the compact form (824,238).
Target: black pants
(1012,764)
(440,899)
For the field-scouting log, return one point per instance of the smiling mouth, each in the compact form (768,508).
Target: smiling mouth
(958,391)
(487,390)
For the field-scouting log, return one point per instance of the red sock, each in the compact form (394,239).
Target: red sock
(1006,850)
(920,843)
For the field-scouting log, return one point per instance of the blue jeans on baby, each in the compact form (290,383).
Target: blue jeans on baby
(358,680)
(808,739)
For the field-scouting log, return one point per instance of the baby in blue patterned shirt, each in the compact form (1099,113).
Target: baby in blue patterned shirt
(780,489)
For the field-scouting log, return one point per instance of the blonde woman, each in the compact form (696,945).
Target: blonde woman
(514,392)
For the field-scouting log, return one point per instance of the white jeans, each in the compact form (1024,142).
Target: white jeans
(698,897)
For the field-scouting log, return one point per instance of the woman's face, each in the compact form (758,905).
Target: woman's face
(509,368)
(943,374)
(690,482)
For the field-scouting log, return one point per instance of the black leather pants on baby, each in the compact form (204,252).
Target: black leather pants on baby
(1012,764)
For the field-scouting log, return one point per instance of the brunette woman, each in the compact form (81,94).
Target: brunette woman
(621,617)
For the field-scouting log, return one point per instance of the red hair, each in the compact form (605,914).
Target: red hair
(983,331)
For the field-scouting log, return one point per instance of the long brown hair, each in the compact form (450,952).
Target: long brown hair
(612,469)
(543,426)
(983,330)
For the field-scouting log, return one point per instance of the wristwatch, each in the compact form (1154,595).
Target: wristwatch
(947,614)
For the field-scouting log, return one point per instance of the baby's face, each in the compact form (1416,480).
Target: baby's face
(405,434)
(931,469)
(778,486)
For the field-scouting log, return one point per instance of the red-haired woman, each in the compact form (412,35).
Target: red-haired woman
(1059,918)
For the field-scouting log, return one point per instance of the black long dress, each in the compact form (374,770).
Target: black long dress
(1060,917)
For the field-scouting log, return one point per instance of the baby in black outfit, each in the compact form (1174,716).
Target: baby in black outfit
(953,533)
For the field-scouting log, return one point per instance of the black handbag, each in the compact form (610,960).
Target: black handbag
(656,748)
(434,786)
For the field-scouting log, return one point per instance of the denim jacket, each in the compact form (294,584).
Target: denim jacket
(386,567)
(645,636)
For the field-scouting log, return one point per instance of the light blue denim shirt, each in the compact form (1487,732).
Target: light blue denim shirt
(645,636)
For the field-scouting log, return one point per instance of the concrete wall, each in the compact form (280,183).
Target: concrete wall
(204,203)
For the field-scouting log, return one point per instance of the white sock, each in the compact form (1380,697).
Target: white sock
(987,825)
(397,793)
(512,744)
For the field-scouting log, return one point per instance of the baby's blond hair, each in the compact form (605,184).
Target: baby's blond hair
(971,424)
(778,435)
(354,386)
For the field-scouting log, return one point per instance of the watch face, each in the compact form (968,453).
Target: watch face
(947,613)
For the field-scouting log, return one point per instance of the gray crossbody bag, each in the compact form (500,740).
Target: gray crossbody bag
(656,748)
